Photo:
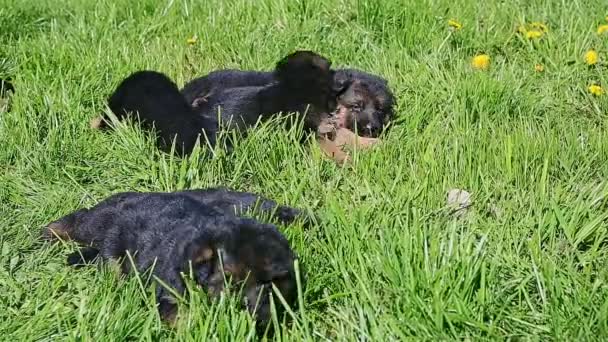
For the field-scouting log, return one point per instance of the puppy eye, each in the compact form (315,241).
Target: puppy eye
(357,106)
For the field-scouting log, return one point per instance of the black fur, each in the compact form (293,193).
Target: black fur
(6,86)
(199,89)
(159,104)
(365,100)
(301,83)
(175,232)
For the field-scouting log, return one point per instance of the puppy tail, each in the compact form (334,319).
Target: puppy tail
(288,215)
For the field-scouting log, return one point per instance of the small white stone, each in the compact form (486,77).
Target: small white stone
(459,200)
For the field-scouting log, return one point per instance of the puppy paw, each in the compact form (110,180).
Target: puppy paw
(347,138)
(83,256)
(97,122)
(288,215)
(333,151)
(167,308)
(327,129)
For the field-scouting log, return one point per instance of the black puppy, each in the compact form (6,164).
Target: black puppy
(161,108)
(362,102)
(301,83)
(195,231)
(6,90)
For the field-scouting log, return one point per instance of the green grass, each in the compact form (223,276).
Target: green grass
(386,261)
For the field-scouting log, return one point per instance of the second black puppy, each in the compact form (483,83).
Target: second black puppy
(198,231)
(361,102)
(301,84)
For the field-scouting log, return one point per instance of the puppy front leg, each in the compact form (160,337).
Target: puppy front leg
(344,138)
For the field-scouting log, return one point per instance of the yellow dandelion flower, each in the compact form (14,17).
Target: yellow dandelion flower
(192,40)
(481,62)
(539,26)
(539,67)
(595,90)
(454,24)
(522,29)
(534,34)
(591,57)
(602,29)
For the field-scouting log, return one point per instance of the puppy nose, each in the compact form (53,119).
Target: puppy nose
(373,130)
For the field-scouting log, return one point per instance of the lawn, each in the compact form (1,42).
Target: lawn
(387,259)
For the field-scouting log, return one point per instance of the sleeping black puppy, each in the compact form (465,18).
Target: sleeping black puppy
(301,84)
(194,231)
(160,108)
(362,103)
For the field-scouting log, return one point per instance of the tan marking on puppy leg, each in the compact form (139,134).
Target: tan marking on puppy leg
(333,151)
(114,265)
(170,317)
(340,116)
(200,100)
(96,122)
(345,137)
(203,255)
(367,142)
(56,231)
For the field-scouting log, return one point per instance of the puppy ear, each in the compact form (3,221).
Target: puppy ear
(341,83)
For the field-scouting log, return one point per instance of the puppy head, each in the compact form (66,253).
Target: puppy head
(364,102)
(307,75)
(63,228)
(251,257)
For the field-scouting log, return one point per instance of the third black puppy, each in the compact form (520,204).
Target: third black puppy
(198,231)
(301,83)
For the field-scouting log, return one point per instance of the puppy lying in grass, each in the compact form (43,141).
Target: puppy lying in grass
(360,102)
(302,82)
(198,231)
